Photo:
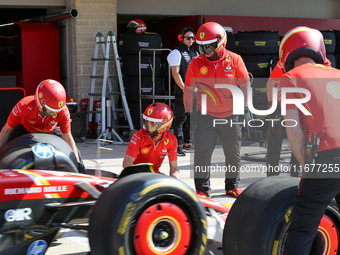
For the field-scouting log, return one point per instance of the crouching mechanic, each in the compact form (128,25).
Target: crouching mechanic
(153,142)
(40,114)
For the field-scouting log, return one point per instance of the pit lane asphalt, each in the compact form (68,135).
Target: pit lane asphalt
(110,157)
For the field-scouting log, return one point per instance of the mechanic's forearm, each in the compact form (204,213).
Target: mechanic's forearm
(4,134)
(178,80)
(297,142)
(244,87)
(73,146)
(174,172)
(127,162)
(188,98)
(270,85)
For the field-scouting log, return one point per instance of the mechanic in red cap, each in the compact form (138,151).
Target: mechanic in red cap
(153,142)
(302,57)
(275,132)
(41,113)
(215,65)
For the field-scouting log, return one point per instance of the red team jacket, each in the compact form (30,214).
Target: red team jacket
(26,112)
(144,150)
(323,82)
(204,74)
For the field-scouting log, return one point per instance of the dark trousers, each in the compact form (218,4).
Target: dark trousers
(275,137)
(204,139)
(181,130)
(309,205)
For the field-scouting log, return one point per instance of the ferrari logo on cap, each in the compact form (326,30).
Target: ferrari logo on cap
(40,95)
(166,141)
(169,117)
(202,35)
(150,111)
(60,104)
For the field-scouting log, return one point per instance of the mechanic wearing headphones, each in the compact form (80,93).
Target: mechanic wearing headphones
(153,142)
(41,113)
(316,137)
(179,60)
(215,65)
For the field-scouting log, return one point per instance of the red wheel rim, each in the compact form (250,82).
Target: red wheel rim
(162,228)
(330,236)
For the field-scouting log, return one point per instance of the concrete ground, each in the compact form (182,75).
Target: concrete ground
(109,157)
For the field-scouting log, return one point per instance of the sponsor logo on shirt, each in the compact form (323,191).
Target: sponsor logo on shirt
(333,88)
(145,150)
(204,70)
(228,59)
(166,141)
(32,122)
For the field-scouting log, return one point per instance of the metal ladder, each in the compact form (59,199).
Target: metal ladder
(108,105)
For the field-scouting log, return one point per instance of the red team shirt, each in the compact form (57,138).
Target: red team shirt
(278,72)
(205,74)
(26,112)
(144,150)
(323,82)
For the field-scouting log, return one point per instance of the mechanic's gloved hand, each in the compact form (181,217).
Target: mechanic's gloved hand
(81,168)
(245,116)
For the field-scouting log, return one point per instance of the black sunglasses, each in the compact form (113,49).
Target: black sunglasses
(189,37)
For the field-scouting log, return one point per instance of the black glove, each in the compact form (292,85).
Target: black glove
(81,168)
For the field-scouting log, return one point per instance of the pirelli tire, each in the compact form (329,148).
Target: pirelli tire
(332,59)
(330,40)
(257,42)
(29,140)
(148,213)
(130,65)
(130,44)
(259,219)
(258,65)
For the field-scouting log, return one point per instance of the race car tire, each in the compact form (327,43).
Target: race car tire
(257,42)
(131,44)
(19,159)
(259,219)
(148,213)
(329,40)
(24,159)
(29,140)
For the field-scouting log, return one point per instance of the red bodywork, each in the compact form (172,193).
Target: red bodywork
(39,184)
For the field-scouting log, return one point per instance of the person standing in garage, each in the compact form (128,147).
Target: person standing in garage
(216,65)
(179,60)
(41,113)
(315,139)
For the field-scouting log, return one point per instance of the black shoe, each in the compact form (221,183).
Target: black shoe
(180,151)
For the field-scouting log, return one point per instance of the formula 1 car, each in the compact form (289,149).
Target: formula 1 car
(137,212)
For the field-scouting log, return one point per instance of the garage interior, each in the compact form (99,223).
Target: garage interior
(168,26)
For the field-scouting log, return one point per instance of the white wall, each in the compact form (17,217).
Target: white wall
(327,9)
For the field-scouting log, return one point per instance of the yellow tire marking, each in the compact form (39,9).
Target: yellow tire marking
(158,185)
